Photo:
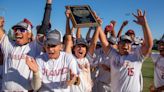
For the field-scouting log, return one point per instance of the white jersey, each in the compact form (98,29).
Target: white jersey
(158,69)
(100,58)
(85,77)
(104,75)
(94,61)
(16,73)
(55,72)
(103,78)
(125,71)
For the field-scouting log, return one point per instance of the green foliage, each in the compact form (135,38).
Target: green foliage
(10,35)
(155,44)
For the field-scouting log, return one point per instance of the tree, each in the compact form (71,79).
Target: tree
(10,35)
(155,46)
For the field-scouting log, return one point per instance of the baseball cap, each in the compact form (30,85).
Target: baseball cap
(112,40)
(26,24)
(130,31)
(81,41)
(137,41)
(125,38)
(53,37)
(161,40)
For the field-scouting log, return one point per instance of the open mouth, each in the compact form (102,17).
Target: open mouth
(18,37)
(80,52)
(51,53)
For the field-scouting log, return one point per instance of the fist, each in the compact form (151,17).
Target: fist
(125,23)
(109,28)
(113,22)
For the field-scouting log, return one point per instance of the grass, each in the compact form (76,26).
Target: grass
(148,74)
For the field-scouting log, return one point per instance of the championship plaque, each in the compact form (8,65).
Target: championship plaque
(82,16)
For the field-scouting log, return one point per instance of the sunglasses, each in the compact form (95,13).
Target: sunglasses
(22,30)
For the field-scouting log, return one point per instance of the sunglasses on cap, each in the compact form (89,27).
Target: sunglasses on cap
(22,30)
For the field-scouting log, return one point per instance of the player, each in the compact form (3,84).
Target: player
(126,64)
(55,70)
(82,51)
(14,56)
(16,73)
(158,59)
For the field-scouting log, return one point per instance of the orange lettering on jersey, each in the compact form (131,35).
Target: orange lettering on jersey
(57,72)
(17,57)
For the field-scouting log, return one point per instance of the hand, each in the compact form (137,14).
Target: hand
(49,1)
(105,67)
(2,21)
(86,66)
(67,13)
(109,28)
(125,23)
(113,22)
(72,80)
(32,64)
(98,18)
(81,66)
(141,19)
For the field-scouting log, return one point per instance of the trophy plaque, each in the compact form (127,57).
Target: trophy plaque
(82,16)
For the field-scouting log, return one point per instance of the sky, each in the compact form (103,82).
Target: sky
(119,10)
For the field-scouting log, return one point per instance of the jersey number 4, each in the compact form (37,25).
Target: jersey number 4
(130,71)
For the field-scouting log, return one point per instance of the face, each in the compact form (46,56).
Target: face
(124,47)
(161,48)
(53,50)
(22,36)
(80,51)
(132,36)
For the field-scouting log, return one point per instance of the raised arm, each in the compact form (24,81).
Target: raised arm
(104,41)
(110,29)
(46,18)
(113,33)
(88,38)
(78,33)
(121,28)
(1,26)
(69,42)
(95,36)
(94,39)
(141,20)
